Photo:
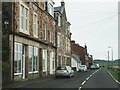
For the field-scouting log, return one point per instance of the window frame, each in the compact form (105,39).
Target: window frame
(19,52)
(35,32)
(33,54)
(24,18)
(44,60)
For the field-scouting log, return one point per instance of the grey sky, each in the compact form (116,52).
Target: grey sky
(94,22)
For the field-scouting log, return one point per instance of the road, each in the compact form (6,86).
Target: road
(92,79)
(101,79)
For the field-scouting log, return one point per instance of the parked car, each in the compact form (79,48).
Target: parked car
(95,66)
(64,71)
(82,68)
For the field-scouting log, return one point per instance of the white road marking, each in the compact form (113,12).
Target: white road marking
(83,82)
(79,88)
(87,78)
(90,75)
(113,77)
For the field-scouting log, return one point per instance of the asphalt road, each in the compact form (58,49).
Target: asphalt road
(73,82)
(92,79)
(101,79)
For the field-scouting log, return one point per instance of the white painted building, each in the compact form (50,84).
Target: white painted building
(75,61)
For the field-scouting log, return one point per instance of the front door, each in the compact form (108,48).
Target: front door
(23,62)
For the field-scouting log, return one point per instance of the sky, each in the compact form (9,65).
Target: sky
(94,23)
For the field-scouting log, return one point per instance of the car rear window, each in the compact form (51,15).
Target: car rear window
(61,68)
(82,66)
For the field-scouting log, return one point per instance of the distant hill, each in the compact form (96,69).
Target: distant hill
(105,62)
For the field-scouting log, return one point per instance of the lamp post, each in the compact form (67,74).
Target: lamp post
(111,54)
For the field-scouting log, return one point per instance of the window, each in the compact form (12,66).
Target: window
(45,29)
(44,62)
(58,40)
(33,59)
(17,58)
(59,20)
(23,19)
(35,25)
(51,9)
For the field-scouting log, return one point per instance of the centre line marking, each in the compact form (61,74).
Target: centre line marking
(83,82)
(90,75)
(79,88)
(87,78)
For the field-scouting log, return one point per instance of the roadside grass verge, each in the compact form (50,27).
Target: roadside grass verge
(115,74)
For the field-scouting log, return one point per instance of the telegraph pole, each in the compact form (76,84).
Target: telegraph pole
(108,59)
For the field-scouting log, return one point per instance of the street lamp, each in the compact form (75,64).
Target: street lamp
(112,54)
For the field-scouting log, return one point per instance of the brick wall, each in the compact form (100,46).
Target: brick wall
(79,50)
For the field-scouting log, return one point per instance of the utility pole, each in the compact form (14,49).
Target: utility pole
(111,55)
(108,59)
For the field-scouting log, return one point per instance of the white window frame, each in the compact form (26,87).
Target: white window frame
(44,61)
(35,23)
(36,60)
(23,30)
(20,52)
(59,20)
(34,52)
(51,9)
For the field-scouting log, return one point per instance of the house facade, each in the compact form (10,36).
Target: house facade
(82,52)
(63,35)
(29,31)
(75,61)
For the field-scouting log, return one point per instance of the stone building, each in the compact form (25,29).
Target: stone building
(29,40)
(63,36)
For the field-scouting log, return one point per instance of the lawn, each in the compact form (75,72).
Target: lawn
(115,74)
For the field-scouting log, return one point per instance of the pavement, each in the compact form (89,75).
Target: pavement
(20,84)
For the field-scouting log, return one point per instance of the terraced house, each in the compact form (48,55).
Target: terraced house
(30,36)
(63,35)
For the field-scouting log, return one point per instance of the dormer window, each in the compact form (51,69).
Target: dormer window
(48,6)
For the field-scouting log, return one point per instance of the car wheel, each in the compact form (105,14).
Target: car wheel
(69,76)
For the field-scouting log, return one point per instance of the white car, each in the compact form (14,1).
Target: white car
(82,68)
(64,71)
(93,67)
